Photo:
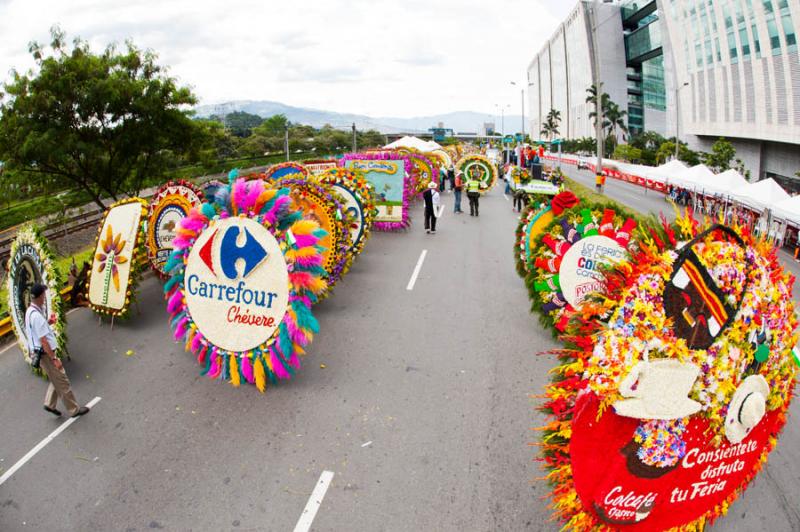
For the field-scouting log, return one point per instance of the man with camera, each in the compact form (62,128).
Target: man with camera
(41,340)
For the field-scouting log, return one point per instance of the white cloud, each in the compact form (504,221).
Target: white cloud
(376,57)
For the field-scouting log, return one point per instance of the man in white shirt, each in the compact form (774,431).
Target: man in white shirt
(41,337)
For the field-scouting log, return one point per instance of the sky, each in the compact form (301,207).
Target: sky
(372,57)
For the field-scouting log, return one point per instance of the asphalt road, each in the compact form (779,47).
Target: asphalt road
(423,411)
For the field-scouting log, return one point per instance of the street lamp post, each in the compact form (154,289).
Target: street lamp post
(678,116)
(502,124)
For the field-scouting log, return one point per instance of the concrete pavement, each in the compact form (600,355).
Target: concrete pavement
(422,412)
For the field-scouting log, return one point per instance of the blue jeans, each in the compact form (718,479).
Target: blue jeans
(457,201)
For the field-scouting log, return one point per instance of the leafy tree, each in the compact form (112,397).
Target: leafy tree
(648,142)
(273,126)
(105,123)
(740,167)
(667,150)
(239,123)
(721,156)
(591,98)
(626,152)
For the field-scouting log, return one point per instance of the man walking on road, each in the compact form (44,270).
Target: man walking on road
(432,203)
(41,339)
(473,194)
(458,186)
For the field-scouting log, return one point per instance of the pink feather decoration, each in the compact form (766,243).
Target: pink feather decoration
(294,361)
(175,302)
(277,365)
(304,241)
(215,369)
(180,330)
(256,188)
(196,343)
(239,193)
(201,357)
(247,369)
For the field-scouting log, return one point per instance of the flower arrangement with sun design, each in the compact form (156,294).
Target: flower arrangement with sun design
(171,203)
(481,168)
(319,202)
(663,412)
(287,169)
(535,217)
(32,261)
(568,256)
(359,197)
(119,258)
(282,262)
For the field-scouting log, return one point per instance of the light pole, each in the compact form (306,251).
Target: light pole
(678,116)
(502,124)
(598,103)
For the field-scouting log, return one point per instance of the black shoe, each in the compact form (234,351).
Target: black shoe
(53,411)
(81,411)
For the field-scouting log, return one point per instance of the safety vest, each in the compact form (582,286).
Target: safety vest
(473,185)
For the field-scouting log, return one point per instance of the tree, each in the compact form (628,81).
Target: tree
(667,150)
(721,156)
(626,152)
(103,123)
(648,142)
(614,119)
(591,98)
(239,123)
(551,124)
(273,126)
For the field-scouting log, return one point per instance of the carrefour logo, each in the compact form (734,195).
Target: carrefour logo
(252,253)
(237,283)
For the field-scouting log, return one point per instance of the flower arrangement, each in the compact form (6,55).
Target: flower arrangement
(31,260)
(386,156)
(532,219)
(481,165)
(552,285)
(169,205)
(289,168)
(116,250)
(728,265)
(319,202)
(352,183)
(278,357)
(423,172)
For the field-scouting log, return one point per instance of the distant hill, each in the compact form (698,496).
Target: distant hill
(464,121)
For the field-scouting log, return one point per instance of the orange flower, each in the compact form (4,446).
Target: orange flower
(112,247)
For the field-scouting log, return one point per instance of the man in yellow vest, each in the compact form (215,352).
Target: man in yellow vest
(473,193)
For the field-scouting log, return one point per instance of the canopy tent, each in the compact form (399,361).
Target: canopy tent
(761,195)
(410,142)
(724,183)
(433,146)
(664,172)
(693,178)
(789,210)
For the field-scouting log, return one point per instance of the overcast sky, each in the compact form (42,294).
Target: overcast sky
(375,57)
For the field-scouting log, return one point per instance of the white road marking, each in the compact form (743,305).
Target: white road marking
(314,502)
(441,212)
(368,443)
(506,196)
(417,268)
(9,346)
(41,445)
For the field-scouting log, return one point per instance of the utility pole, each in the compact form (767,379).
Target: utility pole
(678,116)
(598,105)
(355,142)
(522,117)
(286,140)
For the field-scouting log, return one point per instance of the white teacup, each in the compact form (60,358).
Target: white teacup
(661,392)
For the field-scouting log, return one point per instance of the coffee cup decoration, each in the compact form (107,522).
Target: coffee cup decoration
(664,411)
(245,271)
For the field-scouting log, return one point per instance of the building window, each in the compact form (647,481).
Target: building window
(774,38)
(745,42)
(732,47)
(716,46)
(788,32)
(756,44)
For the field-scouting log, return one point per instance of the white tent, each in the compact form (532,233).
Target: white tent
(724,183)
(789,210)
(664,172)
(433,146)
(410,142)
(693,178)
(761,195)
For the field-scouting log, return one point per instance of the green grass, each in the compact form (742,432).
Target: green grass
(62,264)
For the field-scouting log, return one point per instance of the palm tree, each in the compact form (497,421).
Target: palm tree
(550,126)
(614,118)
(592,99)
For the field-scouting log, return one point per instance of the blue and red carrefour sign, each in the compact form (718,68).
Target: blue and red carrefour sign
(237,284)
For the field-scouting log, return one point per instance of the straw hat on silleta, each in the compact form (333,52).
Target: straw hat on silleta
(748,406)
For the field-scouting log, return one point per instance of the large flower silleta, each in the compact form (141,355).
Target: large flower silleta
(110,257)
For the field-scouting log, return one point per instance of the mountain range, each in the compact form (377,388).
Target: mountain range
(460,121)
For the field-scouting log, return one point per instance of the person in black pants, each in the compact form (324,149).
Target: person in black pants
(431,198)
